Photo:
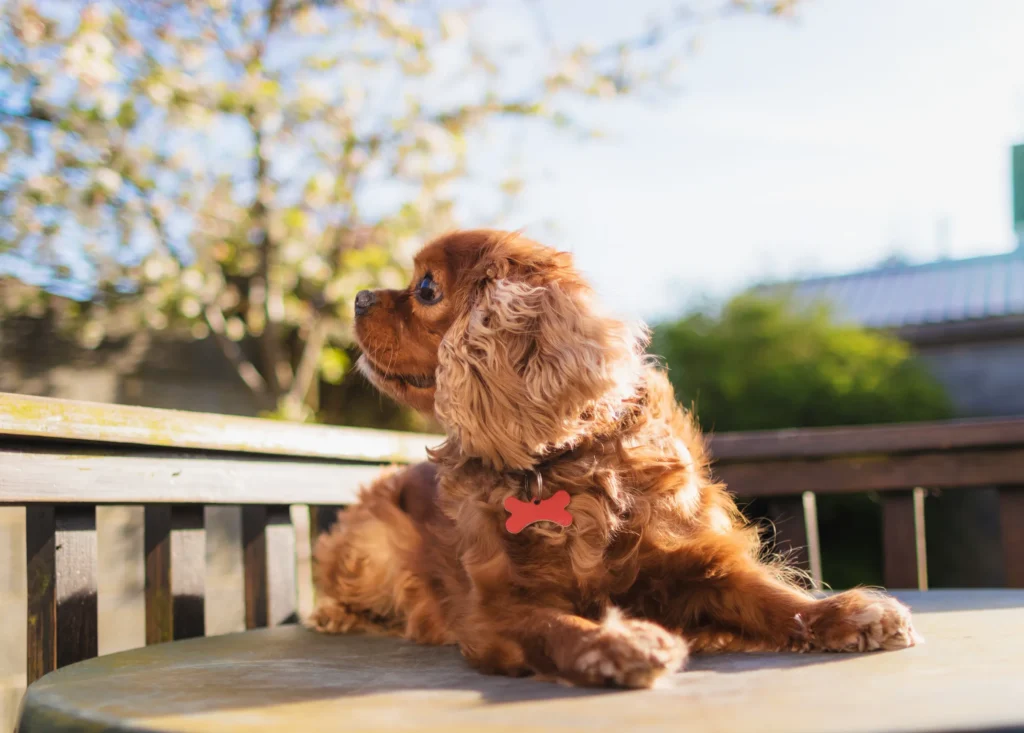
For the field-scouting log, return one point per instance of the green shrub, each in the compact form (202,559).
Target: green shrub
(766,363)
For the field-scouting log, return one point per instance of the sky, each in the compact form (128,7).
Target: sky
(861,130)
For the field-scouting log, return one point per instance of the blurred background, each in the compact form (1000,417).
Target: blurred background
(812,202)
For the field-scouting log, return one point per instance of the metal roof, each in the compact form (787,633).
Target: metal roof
(945,291)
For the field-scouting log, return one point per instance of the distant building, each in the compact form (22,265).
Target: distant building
(965,318)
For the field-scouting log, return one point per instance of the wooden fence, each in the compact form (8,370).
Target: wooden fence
(900,462)
(64,462)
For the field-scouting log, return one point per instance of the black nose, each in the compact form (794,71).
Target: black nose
(364,301)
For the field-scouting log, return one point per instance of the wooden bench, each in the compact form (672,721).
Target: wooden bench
(262,490)
(967,676)
(259,491)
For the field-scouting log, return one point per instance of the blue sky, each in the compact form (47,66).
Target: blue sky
(821,145)
(817,146)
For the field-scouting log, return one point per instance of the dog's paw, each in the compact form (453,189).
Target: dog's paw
(330,617)
(860,621)
(628,653)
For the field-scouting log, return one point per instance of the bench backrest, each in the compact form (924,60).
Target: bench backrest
(214,497)
(209,494)
(901,463)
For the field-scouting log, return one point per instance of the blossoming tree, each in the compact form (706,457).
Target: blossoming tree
(238,169)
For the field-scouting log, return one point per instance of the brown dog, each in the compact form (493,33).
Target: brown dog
(540,393)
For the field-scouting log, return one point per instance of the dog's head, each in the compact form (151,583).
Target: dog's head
(499,337)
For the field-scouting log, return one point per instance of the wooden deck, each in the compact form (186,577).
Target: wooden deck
(968,675)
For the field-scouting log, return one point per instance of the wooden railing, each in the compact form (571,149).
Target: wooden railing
(901,462)
(278,484)
(63,461)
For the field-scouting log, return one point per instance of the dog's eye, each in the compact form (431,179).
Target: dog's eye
(427,291)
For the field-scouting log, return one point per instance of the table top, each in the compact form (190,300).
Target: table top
(968,675)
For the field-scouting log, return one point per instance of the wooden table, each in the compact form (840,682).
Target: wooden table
(968,675)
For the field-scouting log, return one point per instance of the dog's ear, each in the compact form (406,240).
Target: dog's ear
(529,367)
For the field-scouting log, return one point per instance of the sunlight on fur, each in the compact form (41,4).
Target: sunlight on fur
(532,382)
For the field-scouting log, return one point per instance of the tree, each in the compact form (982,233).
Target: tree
(768,363)
(243,167)
(764,363)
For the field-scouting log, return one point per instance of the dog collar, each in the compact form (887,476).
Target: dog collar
(524,513)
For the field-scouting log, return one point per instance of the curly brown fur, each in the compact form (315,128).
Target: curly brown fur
(503,343)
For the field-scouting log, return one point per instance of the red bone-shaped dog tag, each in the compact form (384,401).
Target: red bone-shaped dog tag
(524,513)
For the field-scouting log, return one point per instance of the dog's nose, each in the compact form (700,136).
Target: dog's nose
(364,301)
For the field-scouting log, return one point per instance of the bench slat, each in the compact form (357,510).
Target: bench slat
(889,439)
(188,571)
(159,599)
(282,594)
(224,592)
(77,623)
(955,470)
(43,417)
(810,502)
(40,542)
(254,558)
(302,525)
(91,475)
(121,577)
(905,564)
(1011,518)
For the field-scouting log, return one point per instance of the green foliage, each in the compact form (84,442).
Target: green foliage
(244,167)
(764,363)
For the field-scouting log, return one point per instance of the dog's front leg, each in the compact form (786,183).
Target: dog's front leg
(615,651)
(735,603)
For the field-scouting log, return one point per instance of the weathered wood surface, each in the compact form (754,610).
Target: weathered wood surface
(42,417)
(121,577)
(91,475)
(77,620)
(810,504)
(903,540)
(188,571)
(953,470)
(14,612)
(41,556)
(159,599)
(225,583)
(967,676)
(1011,519)
(254,560)
(282,580)
(775,445)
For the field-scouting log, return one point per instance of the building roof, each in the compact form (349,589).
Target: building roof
(941,292)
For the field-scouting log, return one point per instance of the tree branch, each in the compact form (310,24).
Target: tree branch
(34,114)
(134,352)
(276,366)
(308,368)
(245,368)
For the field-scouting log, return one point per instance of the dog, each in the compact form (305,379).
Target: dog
(539,392)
